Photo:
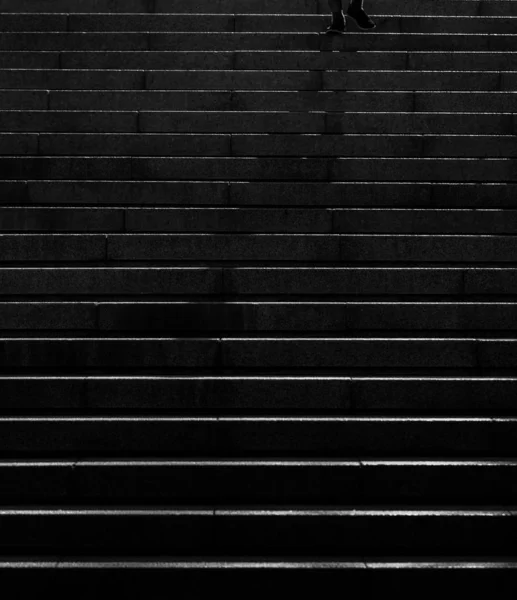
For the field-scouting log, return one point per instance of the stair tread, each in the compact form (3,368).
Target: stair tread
(257,290)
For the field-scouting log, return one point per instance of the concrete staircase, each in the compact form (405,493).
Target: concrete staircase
(258,310)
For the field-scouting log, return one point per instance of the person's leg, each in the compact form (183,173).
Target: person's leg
(338,20)
(336,6)
(356,12)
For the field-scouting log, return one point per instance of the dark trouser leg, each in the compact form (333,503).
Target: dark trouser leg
(356,11)
(336,6)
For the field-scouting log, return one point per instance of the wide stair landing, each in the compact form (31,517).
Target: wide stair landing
(258,295)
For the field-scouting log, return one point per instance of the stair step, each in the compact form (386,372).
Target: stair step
(258,220)
(277,80)
(251,437)
(355,145)
(258,296)
(253,353)
(260,193)
(216,100)
(132,577)
(259,168)
(247,394)
(258,145)
(267,533)
(372,578)
(29,60)
(236,23)
(273,60)
(256,281)
(202,122)
(424,7)
(244,482)
(299,317)
(275,248)
(217,41)
(115,281)
(97,121)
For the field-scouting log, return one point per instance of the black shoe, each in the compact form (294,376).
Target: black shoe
(360,17)
(336,27)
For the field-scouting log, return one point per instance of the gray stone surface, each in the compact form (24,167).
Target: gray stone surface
(29,60)
(427,248)
(52,247)
(236,169)
(300,317)
(48,316)
(326,145)
(387,482)
(345,437)
(229,437)
(348,353)
(21,79)
(33,22)
(340,100)
(64,121)
(490,61)
(16,192)
(343,281)
(25,483)
(424,221)
(232,122)
(161,247)
(497,354)
(20,394)
(420,123)
(221,394)
(387,146)
(438,396)
(57,41)
(23,100)
(322,61)
(137,100)
(128,59)
(80,353)
(47,220)
(230,41)
(18,144)
(220,484)
(61,436)
(154,22)
(244,265)
(82,6)
(105,281)
(128,193)
(47,167)
(464,102)
(234,80)
(336,194)
(412,80)
(434,169)
(234,220)
(491,281)
(149,144)
(443,7)
(426,7)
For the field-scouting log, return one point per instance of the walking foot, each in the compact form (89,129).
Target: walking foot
(360,17)
(336,27)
